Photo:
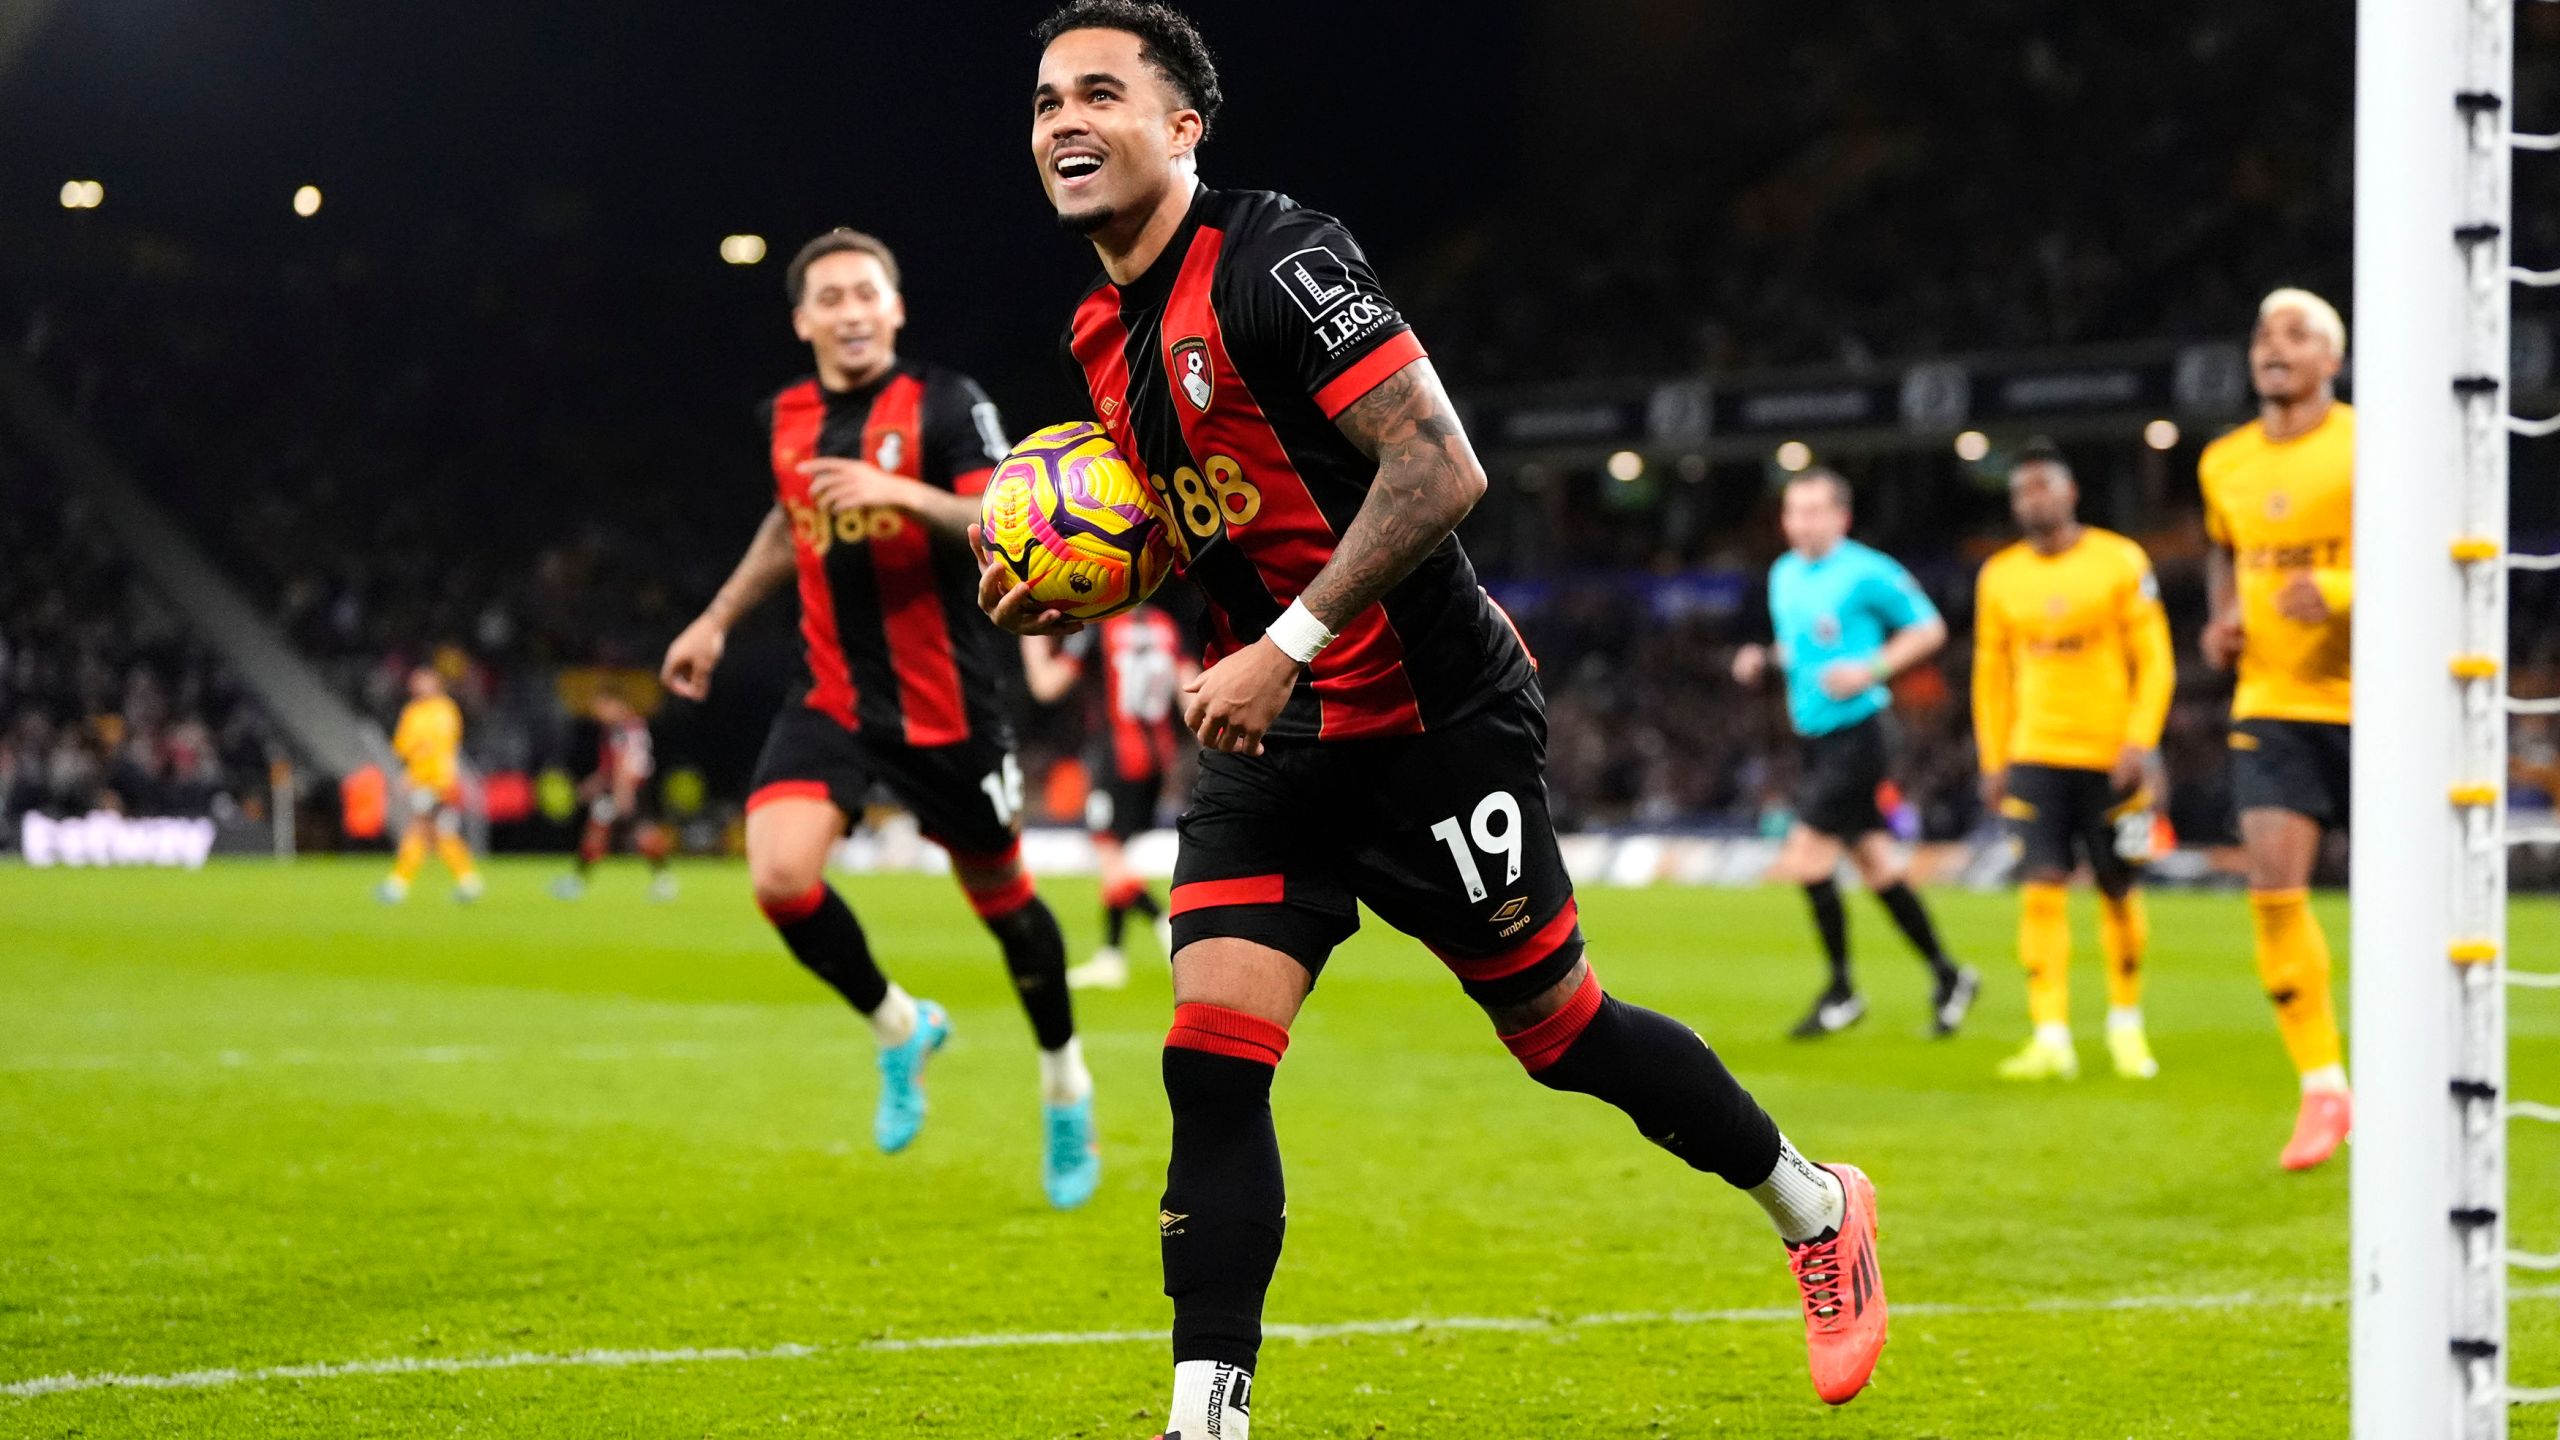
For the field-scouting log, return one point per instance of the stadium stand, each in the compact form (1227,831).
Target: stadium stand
(105,703)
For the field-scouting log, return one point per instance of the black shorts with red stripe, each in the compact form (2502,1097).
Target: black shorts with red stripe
(1445,835)
(965,797)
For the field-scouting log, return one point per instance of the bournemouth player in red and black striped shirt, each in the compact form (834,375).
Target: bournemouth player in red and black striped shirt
(876,464)
(618,798)
(1130,667)
(1373,726)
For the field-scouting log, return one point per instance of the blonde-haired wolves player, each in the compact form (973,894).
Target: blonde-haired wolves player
(428,741)
(2278,506)
(2072,675)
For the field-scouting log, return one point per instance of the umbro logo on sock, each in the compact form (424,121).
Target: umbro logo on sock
(1170,1221)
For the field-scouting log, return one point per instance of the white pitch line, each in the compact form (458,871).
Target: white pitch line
(1035,1339)
(379,1055)
(402,1365)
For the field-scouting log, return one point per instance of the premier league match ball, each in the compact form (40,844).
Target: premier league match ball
(1068,516)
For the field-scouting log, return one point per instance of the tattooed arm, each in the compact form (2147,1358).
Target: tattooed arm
(1428,479)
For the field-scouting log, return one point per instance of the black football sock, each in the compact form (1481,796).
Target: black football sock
(1146,904)
(1679,1094)
(1912,918)
(1115,923)
(1036,955)
(1831,921)
(823,935)
(1224,1209)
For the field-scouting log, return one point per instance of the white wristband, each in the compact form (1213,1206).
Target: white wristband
(1298,633)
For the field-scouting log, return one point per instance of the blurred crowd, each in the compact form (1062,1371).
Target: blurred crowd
(105,703)
(1884,180)
(380,472)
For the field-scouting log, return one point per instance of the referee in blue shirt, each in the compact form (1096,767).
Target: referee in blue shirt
(1847,618)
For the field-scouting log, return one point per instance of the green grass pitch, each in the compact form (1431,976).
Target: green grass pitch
(251,1121)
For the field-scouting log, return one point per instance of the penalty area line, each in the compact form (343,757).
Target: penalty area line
(1036,1339)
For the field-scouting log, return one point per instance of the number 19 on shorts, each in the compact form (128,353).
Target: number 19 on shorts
(1505,843)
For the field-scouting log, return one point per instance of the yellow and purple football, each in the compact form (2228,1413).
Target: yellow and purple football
(1068,516)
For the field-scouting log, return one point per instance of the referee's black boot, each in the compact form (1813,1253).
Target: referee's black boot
(1954,1000)
(1833,1011)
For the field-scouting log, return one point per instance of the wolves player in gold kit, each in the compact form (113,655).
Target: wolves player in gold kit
(2278,504)
(428,741)
(2072,674)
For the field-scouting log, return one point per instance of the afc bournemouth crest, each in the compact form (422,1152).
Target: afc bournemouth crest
(1191,371)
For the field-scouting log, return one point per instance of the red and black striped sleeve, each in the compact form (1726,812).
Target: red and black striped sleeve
(964,437)
(1306,301)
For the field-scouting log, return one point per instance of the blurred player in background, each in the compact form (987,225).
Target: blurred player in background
(617,797)
(428,741)
(876,464)
(1372,726)
(2072,674)
(1134,663)
(2279,509)
(1848,619)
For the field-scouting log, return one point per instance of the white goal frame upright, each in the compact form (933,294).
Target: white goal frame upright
(2431,1252)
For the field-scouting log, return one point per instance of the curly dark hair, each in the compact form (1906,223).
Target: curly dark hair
(1167,40)
(2041,451)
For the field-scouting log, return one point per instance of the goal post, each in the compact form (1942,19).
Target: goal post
(2428,876)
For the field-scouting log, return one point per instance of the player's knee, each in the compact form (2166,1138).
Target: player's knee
(2276,867)
(1804,865)
(1561,1016)
(997,885)
(782,882)
(1216,1058)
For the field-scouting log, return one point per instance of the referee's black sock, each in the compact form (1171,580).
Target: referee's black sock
(1224,1208)
(823,935)
(1831,920)
(1913,919)
(1679,1094)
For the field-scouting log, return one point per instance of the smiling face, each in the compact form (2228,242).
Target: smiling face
(850,313)
(2291,359)
(1110,135)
